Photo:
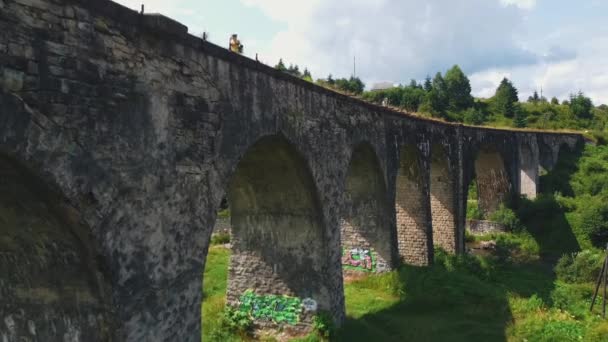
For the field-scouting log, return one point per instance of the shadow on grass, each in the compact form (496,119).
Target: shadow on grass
(544,218)
(457,299)
(466,298)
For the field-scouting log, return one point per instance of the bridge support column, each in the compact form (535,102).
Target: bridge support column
(412,210)
(279,245)
(492,182)
(443,201)
(367,241)
(528,171)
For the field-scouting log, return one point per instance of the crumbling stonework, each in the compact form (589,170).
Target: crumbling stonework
(142,129)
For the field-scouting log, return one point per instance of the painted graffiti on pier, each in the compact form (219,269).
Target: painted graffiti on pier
(275,308)
(359,259)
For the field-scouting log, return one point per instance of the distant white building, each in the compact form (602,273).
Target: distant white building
(382,86)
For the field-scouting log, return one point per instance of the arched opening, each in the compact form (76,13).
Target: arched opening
(54,285)
(413,236)
(365,231)
(529,169)
(279,249)
(492,182)
(443,206)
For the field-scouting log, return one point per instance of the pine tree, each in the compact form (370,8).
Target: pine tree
(505,98)
(306,75)
(581,106)
(534,98)
(428,85)
(519,120)
(280,66)
(436,100)
(458,89)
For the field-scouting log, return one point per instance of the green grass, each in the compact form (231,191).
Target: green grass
(458,299)
(214,289)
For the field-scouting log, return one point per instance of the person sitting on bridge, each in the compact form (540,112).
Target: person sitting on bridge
(235,44)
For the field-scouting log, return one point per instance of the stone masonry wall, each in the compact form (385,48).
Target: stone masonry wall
(411,205)
(277,237)
(52,288)
(492,183)
(481,227)
(529,171)
(367,241)
(442,201)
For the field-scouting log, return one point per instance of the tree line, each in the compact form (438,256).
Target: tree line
(352,85)
(448,96)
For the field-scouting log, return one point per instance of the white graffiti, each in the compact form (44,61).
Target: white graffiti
(309,305)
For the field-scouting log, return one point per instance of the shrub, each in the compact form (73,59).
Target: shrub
(572,298)
(323,324)
(594,219)
(473,212)
(506,217)
(220,238)
(579,267)
(237,321)
(465,263)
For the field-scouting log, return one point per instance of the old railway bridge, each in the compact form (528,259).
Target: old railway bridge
(120,134)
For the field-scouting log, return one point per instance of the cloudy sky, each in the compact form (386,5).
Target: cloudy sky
(560,46)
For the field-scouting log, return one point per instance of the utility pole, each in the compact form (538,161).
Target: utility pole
(354,66)
(541,91)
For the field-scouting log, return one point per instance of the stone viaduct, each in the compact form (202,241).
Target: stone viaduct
(120,134)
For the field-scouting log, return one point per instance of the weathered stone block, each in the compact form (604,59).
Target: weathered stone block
(12,80)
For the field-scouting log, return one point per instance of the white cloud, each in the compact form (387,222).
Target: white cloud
(588,72)
(396,39)
(526,4)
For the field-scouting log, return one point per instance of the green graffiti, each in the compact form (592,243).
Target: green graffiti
(275,308)
(359,259)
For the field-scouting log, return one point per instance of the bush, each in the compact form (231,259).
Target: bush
(473,212)
(506,217)
(579,267)
(220,238)
(323,324)
(465,263)
(594,219)
(572,298)
(232,325)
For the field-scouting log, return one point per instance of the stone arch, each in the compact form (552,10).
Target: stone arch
(55,286)
(366,236)
(411,208)
(278,235)
(529,171)
(493,184)
(443,200)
